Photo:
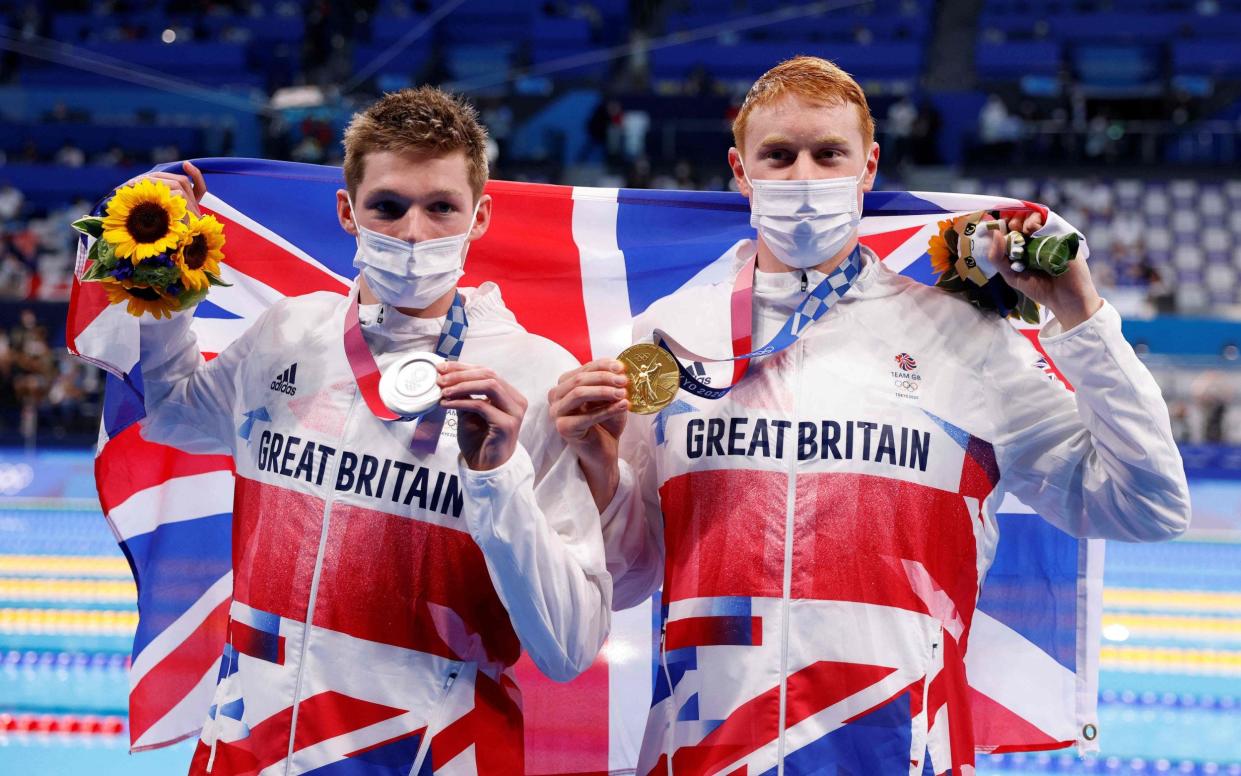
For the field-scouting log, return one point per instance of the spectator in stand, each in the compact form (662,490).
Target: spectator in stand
(11,202)
(70,155)
(900,127)
(998,130)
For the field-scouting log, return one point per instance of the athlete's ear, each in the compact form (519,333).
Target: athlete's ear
(344,213)
(482,220)
(872,167)
(738,167)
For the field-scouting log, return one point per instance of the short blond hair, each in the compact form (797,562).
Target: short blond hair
(422,120)
(812,78)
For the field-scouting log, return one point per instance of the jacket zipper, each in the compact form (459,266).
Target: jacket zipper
(314,590)
(787,589)
(663,664)
(232,666)
(436,719)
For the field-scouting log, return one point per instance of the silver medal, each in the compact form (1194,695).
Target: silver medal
(408,386)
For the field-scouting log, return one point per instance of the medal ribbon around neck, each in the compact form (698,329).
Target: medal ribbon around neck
(366,371)
(818,301)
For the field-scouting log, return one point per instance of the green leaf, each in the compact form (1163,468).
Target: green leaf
(190,298)
(1052,254)
(216,281)
(106,253)
(92,225)
(1027,309)
(96,271)
(147,273)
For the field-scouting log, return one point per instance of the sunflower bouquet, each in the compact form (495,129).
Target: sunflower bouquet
(959,251)
(150,252)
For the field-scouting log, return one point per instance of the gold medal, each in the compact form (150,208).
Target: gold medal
(653,377)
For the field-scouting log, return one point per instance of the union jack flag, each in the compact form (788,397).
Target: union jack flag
(575,265)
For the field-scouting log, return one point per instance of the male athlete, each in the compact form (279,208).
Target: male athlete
(386,579)
(821,532)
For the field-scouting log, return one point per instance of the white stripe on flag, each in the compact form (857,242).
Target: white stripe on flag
(218,205)
(605,290)
(629,658)
(911,250)
(246,297)
(1019,676)
(1089,638)
(172,637)
(174,500)
(1011,505)
(186,718)
(110,339)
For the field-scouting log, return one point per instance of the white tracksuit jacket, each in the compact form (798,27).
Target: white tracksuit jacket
(822,532)
(380,598)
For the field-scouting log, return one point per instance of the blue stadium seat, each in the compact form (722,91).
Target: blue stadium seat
(1015,59)
(1215,58)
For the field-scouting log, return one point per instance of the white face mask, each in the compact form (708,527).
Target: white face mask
(805,222)
(410,274)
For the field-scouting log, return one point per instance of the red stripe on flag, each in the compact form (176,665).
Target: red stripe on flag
(558,742)
(331,714)
(256,643)
(86,302)
(999,729)
(319,717)
(424,564)
(854,531)
(258,257)
(754,723)
(170,680)
(885,242)
(714,631)
(129,464)
(719,539)
(1032,335)
(530,253)
(493,726)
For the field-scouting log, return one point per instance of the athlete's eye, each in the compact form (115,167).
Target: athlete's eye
(389,209)
(443,208)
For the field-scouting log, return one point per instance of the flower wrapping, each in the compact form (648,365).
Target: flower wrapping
(150,252)
(959,255)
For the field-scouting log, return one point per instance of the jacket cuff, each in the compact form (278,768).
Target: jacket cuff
(491,494)
(1104,321)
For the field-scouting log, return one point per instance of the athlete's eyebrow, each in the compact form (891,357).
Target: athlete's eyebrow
(779,140)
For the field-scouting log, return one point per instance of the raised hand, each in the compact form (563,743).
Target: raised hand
(489,413)
(1071,297)
(589,408)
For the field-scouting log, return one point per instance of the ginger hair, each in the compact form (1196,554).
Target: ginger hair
(811,78)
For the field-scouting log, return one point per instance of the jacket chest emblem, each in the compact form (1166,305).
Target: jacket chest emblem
(906,381)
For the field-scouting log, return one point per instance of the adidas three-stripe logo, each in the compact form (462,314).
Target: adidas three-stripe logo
(286,381)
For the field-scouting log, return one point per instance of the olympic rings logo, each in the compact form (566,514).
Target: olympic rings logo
(907,385)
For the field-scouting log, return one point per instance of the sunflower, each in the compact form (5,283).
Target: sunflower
(144,220)
(938,248)
(201,252)
(140,299)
